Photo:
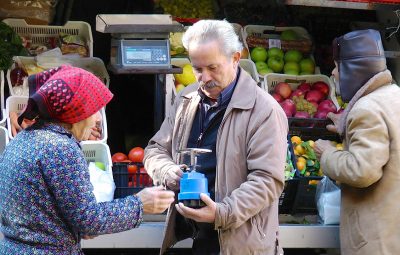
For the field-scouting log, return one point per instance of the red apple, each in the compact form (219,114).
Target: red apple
(305,86)
(277,97)
(297,93)
(314,96)
(321,86)
(283,89)
(289,107)
(326,105)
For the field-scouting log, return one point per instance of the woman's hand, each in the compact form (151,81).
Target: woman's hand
(156,199)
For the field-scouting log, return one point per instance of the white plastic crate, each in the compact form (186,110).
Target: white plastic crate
(3,117)
(18,103)
(3,138)
(99,152)
(272,79)
(40,34)
(93,65)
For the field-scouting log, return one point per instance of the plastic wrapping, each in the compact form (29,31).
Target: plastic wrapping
(328,201)
(39,12)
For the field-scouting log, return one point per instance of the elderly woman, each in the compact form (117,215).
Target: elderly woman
(368,166)
(46,199)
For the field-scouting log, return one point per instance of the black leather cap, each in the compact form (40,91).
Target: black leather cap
(360,56)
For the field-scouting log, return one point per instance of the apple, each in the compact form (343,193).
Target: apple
(275,52)
(297,93)
(100,165)
(265,71)
(276,64)
(307,65)
(315,96)
(283,89)
(304,86)
(321,86)
(293,66)
(288,107)
(293,56)
(258,54)
(261,65)
(289,35)
(326,105)
(277,97)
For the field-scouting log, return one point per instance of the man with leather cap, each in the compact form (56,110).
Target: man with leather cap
(368,166)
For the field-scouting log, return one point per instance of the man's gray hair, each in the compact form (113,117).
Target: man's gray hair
(221,31)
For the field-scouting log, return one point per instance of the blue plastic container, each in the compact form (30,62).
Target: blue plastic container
(192,184)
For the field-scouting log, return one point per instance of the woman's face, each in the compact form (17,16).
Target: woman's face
(82,129)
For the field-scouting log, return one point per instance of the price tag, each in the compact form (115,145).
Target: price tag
(274,43)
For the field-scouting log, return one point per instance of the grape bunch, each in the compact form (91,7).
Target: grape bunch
(186,9)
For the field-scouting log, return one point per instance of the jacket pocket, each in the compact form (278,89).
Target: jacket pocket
(355,235)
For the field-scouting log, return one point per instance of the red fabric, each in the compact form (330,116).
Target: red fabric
(68,94)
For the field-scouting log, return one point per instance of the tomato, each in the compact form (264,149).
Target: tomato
(118,157)
(132,168)
(136,154)
(144,179)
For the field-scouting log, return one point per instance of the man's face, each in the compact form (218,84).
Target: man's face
(335,74)
(213,70)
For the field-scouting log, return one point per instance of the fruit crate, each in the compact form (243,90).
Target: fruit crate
(41,34)
(129,179)
(2,110)
(18,104)
(301,190)
(271,81)
(3,138)
(97,152)
(94,65)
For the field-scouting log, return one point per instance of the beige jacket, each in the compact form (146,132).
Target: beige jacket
(251,147)
(369,170)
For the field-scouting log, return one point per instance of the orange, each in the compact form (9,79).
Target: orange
(300,165)
(311,143)
(301,159)
(299,149)
(295,139)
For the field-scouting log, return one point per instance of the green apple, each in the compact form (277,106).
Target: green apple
(289,35)
(261,65)
(258,54)
(100,165)
(292,72)
(179,87)
(276,64)
(265,71)
(307,65)
(293,56)
(275,52)
(305,73)
(292,66)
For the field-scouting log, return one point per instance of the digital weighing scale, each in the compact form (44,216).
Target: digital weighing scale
(138,41)
(140,45)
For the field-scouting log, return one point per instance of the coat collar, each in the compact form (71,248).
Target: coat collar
(243,97)
(377,81)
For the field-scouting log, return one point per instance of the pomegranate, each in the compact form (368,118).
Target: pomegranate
(288,107)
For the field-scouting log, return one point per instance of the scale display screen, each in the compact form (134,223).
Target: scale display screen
(142,53)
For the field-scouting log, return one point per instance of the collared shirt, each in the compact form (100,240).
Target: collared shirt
(46,198)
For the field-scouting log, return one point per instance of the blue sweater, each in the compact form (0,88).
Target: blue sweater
(46,198)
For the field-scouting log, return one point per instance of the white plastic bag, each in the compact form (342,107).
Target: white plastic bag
(328,201)
(103,183)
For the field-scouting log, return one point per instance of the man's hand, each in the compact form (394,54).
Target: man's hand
(173,177)
(204,214)
(320,146)
(156,199)
(335,117)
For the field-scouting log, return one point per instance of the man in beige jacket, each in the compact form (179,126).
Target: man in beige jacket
(245,128)
(368,167)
